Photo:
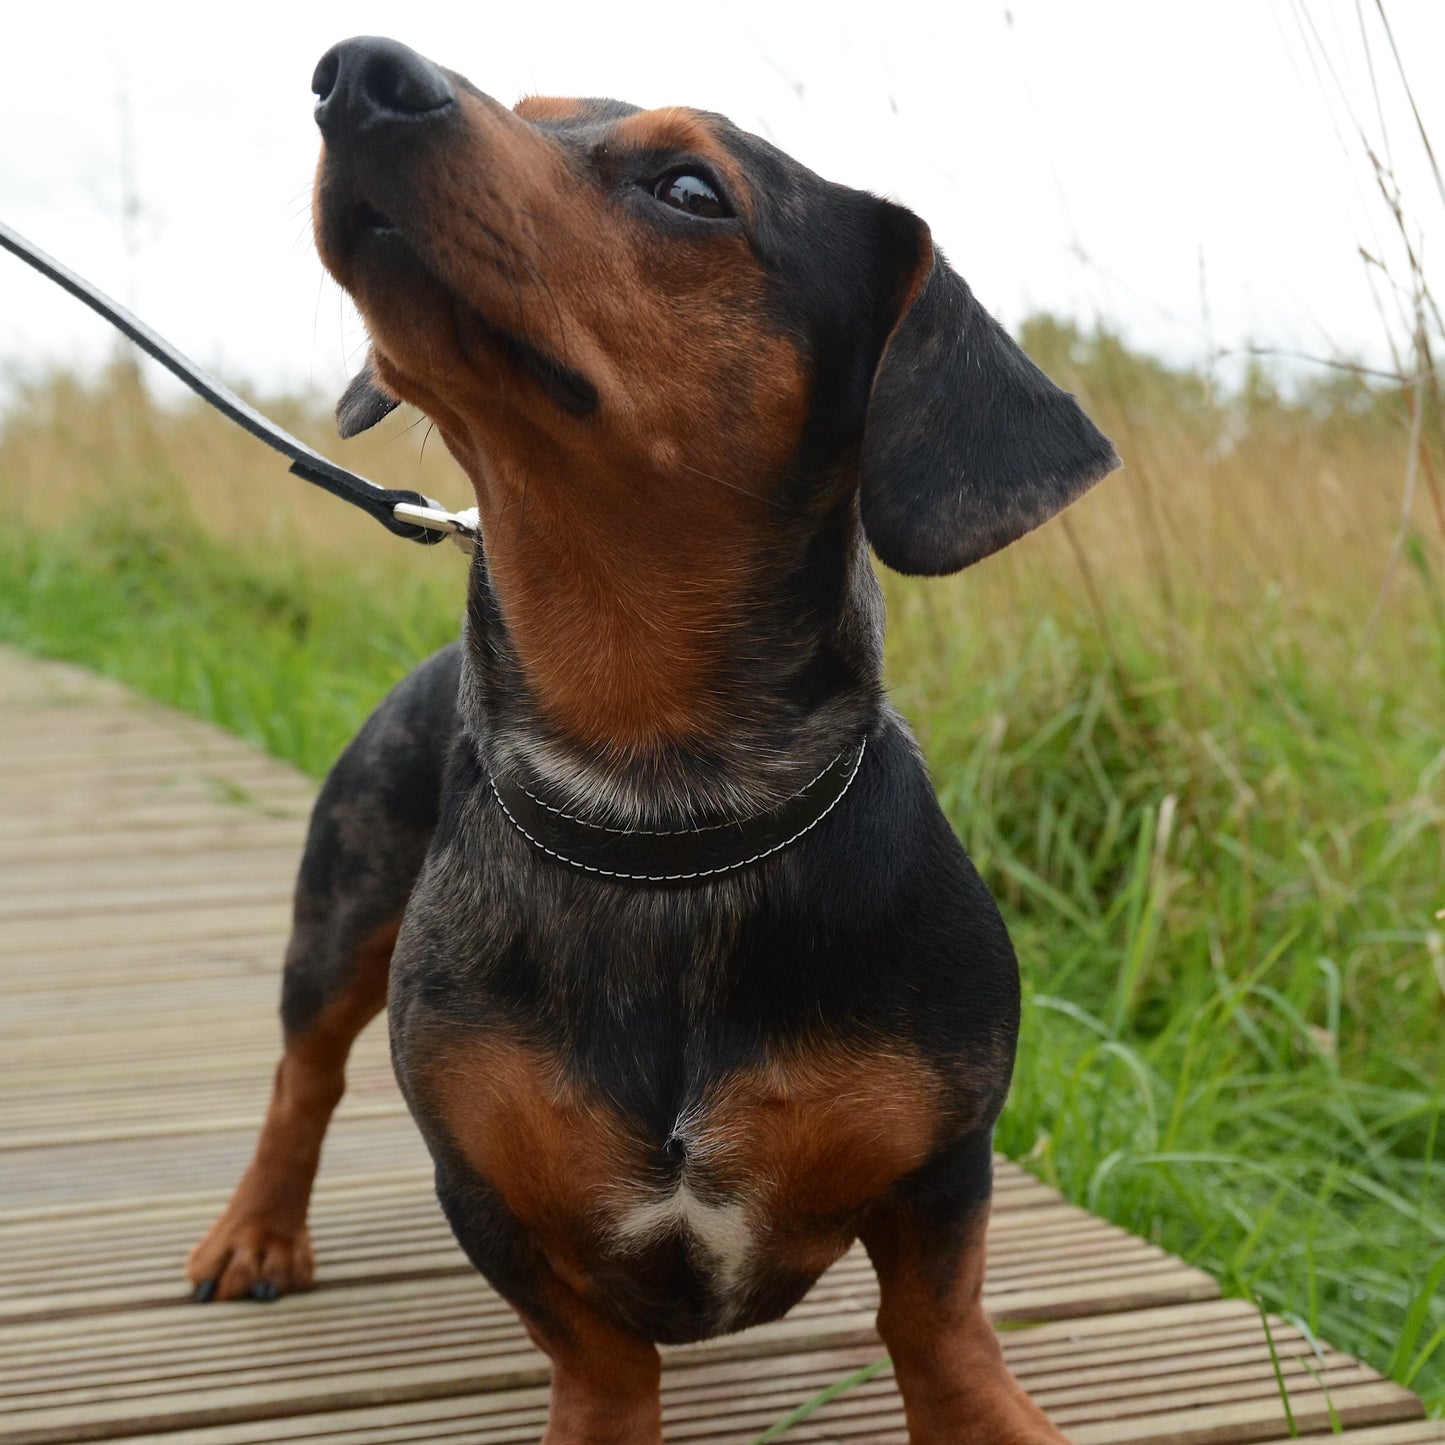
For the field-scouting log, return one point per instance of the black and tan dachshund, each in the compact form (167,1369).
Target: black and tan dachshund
(690,983)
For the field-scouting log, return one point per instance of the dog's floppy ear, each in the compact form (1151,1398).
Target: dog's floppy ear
(967,445)
(364,402)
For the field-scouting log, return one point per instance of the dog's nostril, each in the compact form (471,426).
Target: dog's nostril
(404,83)
(323,78)
(369,80)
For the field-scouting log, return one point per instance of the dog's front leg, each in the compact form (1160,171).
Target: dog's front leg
(927,1245)
(369,834)
(260,1245)
(606,1382)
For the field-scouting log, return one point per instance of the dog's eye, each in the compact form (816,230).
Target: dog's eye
(690,193)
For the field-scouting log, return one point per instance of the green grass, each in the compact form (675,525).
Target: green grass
(1215,824)
(288,651)
(1221,872)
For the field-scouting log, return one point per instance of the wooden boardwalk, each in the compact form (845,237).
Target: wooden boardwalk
(145,871)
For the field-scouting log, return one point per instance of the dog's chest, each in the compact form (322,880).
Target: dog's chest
(762,1173)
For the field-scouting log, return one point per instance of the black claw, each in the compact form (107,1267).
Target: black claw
(264,1291)
(205,1292)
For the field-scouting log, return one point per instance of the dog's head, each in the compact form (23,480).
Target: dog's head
(581,280)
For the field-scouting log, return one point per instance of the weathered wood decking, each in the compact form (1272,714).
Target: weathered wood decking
(145,869)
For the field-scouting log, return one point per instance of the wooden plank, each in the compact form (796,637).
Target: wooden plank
(146,819)
(1217,1387)
(126,870)
(162,925)
(405,1313)
(140,1002)
(176,961)
(78,769)
(228,1093)
(71,773)
(1411,1432)
(235,837)
(119,804)
(1044,1261)
(93,737)
(138,1169)
(115,904)
(145,870)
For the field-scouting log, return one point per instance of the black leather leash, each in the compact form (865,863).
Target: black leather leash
(405,514)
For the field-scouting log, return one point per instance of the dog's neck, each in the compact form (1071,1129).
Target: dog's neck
(736,672)
(619,620)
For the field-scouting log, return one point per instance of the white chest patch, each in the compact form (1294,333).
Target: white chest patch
(721,1231)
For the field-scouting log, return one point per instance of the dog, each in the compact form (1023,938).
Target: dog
(690,983)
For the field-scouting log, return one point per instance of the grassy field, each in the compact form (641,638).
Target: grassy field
(1193,734)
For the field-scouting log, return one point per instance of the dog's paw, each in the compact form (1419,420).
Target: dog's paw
(243,1257)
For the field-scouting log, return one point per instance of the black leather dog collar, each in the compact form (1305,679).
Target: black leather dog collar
(681,855)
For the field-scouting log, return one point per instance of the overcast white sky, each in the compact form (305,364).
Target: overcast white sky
(1186,171)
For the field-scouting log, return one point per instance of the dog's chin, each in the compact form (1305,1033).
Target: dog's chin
(407,306)
(365,251)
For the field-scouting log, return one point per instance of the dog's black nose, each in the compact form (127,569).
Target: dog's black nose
(370,79)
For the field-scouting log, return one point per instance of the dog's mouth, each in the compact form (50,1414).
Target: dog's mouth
(361,227)
(361,223)
(365,220)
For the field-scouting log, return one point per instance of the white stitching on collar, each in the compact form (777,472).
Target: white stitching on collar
(680,877)
(675,832)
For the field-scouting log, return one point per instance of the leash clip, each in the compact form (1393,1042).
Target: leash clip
(463,527)
(414,517)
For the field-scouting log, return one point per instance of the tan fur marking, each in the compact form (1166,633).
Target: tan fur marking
(546,107)
(678,128)
(814,1137)
(956,1388)
(801,1144)
(606,1383)
(555,1155)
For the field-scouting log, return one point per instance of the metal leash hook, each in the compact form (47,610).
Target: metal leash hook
(403,513)
(463,527)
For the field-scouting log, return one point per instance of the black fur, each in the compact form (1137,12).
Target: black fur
(875,929)
(969,445)
(364,403)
